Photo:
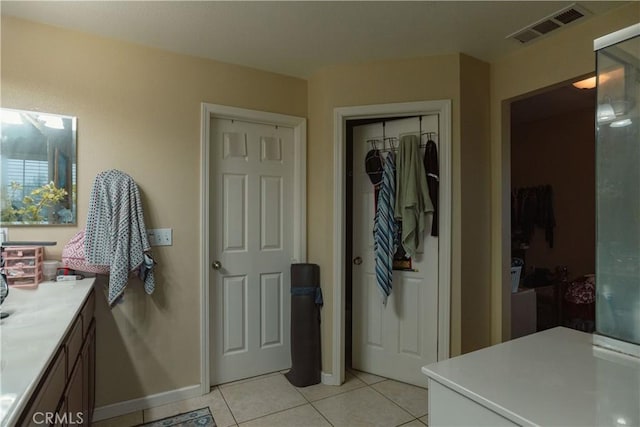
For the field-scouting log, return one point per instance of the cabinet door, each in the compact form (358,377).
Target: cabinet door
(74,345)
(89,374)
(73,396)
(60,420)
(48,394)
(87,312)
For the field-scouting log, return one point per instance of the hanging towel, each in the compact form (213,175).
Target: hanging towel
(116,235)
(412,197)
(433,180)
(384,229)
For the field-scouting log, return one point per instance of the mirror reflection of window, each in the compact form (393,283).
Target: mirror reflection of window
(32,173)
(37,168)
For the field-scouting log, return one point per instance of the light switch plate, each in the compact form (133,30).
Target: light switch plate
(160,236)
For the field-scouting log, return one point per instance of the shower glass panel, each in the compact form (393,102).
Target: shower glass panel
(618,186)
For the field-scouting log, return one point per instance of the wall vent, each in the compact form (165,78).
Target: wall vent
(546,25)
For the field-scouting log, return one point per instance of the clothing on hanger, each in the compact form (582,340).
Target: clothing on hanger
(433,180)
(412,200)
(532,207)
(373,165)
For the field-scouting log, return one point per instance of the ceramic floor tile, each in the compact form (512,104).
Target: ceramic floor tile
(215,402)
(246,380)
(127,420)
(367,377)
(305,415)
(414,423)
(424,420)
(261,397)
(361,407)
(320,391)
(411,398)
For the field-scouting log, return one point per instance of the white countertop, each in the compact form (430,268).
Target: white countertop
(39,320)
(551,378)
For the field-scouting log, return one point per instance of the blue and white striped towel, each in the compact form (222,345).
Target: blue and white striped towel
(384,229)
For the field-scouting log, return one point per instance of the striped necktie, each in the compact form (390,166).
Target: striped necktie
(384,228)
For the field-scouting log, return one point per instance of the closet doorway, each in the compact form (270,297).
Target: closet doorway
(553,206)
(412,330)
(395,339)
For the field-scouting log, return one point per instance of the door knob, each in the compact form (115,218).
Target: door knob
(217,265)
(357,260)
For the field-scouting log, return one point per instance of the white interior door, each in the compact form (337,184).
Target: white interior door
(251,246)
(395,340)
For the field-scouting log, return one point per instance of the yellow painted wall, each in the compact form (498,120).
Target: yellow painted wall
(404,81)
(366,84)
(138,111)
(560,57)
(475,209)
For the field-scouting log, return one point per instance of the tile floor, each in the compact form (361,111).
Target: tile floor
(270,400)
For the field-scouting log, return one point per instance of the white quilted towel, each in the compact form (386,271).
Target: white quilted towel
(115,233)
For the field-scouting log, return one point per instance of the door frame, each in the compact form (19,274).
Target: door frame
(341,115)
(299,125)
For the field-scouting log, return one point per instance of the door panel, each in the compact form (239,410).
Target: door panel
(270,214)
(235,213)
(410,327)
(271,309)
(251,204)
(395,340)
(235,311)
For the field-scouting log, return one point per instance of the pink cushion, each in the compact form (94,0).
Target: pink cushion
(73,256)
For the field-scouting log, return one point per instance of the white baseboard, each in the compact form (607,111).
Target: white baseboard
(128,406)
(329,379)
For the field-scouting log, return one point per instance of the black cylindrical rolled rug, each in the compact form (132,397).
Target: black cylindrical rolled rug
(306,300)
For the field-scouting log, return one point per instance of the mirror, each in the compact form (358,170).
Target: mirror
(37,168)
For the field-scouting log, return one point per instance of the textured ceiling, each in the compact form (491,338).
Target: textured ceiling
(298,38)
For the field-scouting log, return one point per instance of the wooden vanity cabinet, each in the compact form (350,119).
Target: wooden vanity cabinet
(65,396)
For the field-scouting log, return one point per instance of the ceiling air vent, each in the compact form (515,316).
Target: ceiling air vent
(545,26)
(550,23)
(569,16)
(526,36)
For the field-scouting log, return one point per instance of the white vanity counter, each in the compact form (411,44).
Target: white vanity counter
(551,378)
(38,322)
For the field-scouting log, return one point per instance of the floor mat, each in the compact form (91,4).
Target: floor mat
(200,417)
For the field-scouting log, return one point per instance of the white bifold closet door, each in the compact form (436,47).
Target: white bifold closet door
(395,340)
(251,248)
